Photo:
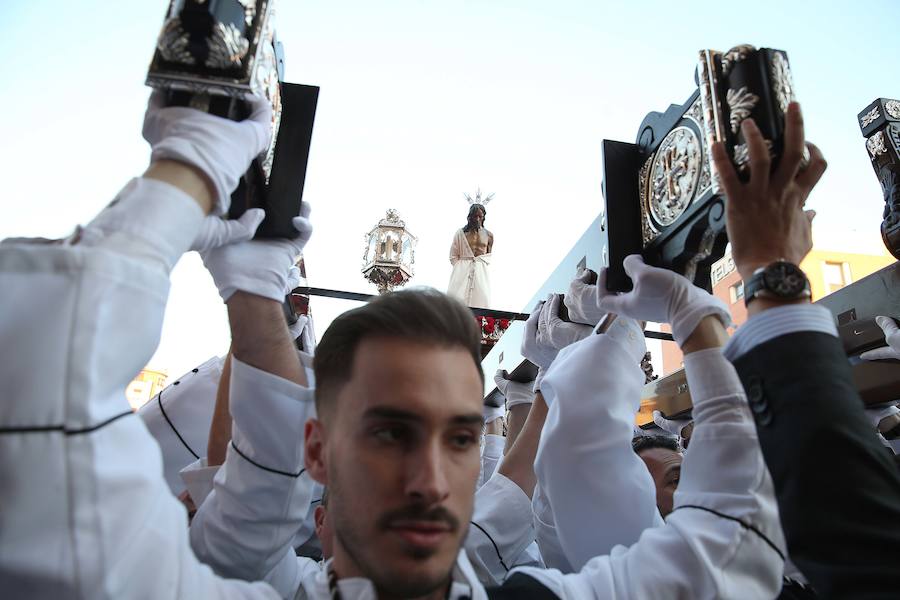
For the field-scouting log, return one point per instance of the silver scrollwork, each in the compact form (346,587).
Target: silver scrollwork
(892,107)
(735,55)
(249,10)
(870,117)
(227,47)
(782,81)
(742,155)
(173,43)
(875,144)
(740,105)
(674,175)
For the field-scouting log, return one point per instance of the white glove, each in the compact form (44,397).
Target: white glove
(553,331)
(260,267)
(534,350)
(492,413)
(876,415)
(221,148)
(515,392)
(673,426)
(891,336)
(216,231)
(583,298)
(663,296)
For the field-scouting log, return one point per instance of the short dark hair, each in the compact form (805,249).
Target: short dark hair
(421,315)
(645,442)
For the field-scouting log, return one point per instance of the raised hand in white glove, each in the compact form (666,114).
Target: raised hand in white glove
(663,296)
(891,336)
(259,267)
(216,231)
(556,333)
(492,413)
(221,148)
(583,298)
(515,392)
(536,351)
(673,426)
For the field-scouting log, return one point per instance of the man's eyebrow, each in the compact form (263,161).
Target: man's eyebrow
(395,414)
(398,414)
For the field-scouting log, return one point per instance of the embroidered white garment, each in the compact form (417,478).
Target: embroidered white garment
(469,281)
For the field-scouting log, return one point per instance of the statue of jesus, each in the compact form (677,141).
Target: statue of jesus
(470,255)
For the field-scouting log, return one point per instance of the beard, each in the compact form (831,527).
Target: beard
(375,563)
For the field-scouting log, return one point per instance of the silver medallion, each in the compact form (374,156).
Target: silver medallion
(674,175)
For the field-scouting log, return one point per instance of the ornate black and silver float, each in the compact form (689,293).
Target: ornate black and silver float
(214,55)
(880,125)
(663,199)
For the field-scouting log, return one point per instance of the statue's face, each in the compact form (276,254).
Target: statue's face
(476,217)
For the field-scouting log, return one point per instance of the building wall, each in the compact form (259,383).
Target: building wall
(828,269)
(147,384)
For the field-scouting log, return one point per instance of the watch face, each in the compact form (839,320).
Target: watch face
(784,279)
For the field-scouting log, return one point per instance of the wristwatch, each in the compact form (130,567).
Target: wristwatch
(780,280)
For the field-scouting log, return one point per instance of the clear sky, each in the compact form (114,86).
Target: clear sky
(420,102)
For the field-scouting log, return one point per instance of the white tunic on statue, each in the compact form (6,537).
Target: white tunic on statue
(469,280)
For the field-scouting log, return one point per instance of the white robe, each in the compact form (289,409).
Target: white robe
(469,280)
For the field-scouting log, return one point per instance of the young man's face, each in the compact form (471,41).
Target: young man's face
(665,468)
(399,452)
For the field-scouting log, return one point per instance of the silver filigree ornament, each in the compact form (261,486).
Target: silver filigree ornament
(173,43)
(892,107)
(674,175)
(227,47)
(735,55)
(870,117)
(875,144)
(742,155)
(740,105)
(782,81)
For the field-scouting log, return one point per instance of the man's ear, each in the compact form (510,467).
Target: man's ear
(314,451)
(319,515)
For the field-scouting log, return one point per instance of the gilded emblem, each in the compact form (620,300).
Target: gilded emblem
(740,105)
(673,175)
(227,47)
(782,82)
(173,43)
(870,117)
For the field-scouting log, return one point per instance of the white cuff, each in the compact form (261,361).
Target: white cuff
(493,445)
(198,479)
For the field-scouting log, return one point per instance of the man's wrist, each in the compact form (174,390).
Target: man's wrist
(709,333)
(760,304)
(188,178)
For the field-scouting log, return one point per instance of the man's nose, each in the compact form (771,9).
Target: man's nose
(427,476)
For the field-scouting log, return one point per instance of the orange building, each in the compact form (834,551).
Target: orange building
(835,261)
(147,384)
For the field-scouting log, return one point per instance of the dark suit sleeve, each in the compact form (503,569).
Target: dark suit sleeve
(838,491)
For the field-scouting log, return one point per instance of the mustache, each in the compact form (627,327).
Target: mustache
(414,512)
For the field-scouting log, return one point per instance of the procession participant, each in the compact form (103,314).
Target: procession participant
(492,442)
(663,457)
(86,526)
(809,416)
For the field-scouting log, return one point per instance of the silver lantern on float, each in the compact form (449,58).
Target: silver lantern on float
(390,253)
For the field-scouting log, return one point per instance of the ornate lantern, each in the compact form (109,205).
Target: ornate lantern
(390,253)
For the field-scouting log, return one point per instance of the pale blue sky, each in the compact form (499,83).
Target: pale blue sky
(421,101)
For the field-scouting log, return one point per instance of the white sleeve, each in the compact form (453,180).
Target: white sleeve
(500,530)
(593,390)
(723,539)
(491,455)
(246,527)
(86,510)
(545,533)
